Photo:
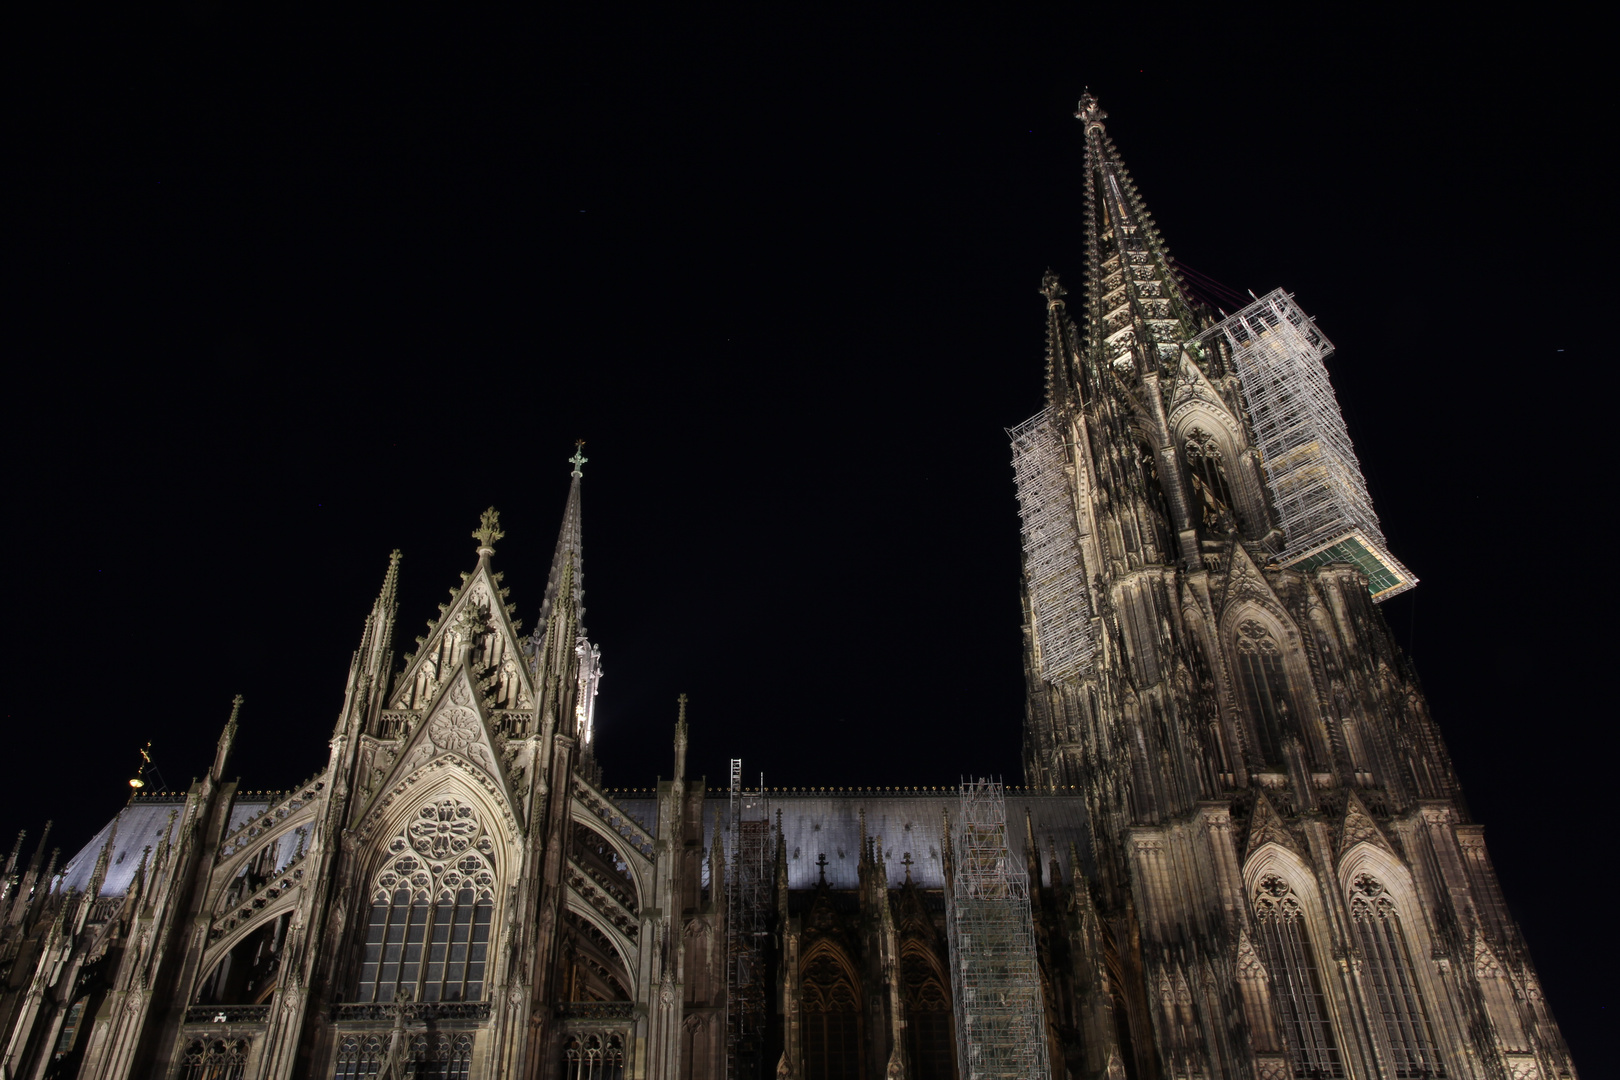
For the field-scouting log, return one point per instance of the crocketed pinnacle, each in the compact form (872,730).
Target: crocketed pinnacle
(1059,386)
(568,553)
(378,635)
(1136,311)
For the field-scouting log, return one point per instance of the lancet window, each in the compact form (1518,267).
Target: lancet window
(1265,688)
(1206,473)
(928,1017)
(1164,530)
(1387,968)
(831,1012)
(594,1057)
(1296,982)
(432,904)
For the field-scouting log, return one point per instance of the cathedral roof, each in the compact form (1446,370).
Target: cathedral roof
(829,824)
(141,824)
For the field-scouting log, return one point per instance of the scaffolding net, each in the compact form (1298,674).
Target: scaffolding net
(1055,573)
(1000,1016)
(1311,469)
(748,917)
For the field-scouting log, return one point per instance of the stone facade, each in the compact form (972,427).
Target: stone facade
(1247,852)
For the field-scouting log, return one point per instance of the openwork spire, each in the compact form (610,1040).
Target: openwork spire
(1136,312)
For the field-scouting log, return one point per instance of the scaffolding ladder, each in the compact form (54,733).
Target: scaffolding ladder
(1311,469)
(1059,600)
(748,928)
(995,975)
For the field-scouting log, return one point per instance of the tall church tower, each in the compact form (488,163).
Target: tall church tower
(1287,882)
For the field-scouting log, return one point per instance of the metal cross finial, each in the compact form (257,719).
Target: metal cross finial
(579,457)
(488,531)
(906,862)
(821,865)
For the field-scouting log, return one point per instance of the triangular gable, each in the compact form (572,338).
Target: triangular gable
(1244,581)
(1193,389)
(1359,827)
(455,727)
(1265,827)
(476,613)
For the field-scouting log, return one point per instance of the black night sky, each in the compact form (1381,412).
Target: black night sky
(289,292)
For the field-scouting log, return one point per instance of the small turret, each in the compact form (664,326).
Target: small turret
(227,739)
(680,740)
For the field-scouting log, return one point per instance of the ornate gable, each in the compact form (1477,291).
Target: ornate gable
(1245,582)
(1192,391)
(1359,827)
(455,733)
(1265,827)
(475,622)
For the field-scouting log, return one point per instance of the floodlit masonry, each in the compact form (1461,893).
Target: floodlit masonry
(1239,849)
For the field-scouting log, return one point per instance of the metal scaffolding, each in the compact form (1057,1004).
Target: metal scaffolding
(1060,606)
(995,977)
(748,919)
(1311,469)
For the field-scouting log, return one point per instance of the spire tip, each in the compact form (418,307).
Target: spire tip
(1089,110)
(579,458)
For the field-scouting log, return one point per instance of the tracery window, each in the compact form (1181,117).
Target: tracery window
(929,1042)
(594,1057)
(1207,473)
(214,1059)
(1388,968)
(1265,688)
(831,1014)
(432,904)
(1285,945)
(432,1056)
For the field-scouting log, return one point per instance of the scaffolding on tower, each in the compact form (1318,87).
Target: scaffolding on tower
(1311,469)
(748,928)
(995,976)
(1060,604)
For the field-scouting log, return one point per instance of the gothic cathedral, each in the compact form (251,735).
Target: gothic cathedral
(1239,851)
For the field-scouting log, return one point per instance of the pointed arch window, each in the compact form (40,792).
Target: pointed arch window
(1388,969)
(929,1042)
(1265,688)
(214,1059)
(432,905)
(1206,471)
(594,1057)
(1285,944)
(831,1014)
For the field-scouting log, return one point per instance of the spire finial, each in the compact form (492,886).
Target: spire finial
(488,531)
(1052,289)
(579,457)
(681,702)
(1090,111)
(236,709)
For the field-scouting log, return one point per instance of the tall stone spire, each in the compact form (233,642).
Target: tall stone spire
(1136,312)
(567,665)
(569,551)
